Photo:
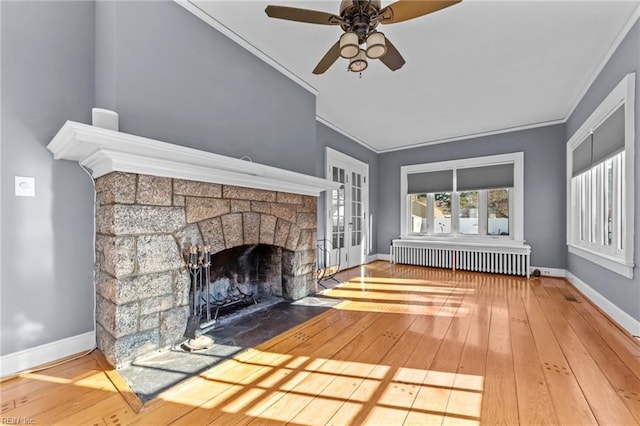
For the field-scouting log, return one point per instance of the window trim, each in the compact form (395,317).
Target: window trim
(622,95)
(516,196)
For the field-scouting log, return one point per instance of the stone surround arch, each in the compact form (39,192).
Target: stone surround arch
(145,225)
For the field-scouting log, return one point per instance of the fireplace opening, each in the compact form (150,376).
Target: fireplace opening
(249,269)
(227,281)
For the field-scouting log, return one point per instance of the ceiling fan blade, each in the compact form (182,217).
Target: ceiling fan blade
(302,15)
(403,10)
(328,59)
(392,59)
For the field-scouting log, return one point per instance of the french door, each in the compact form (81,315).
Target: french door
(347,226)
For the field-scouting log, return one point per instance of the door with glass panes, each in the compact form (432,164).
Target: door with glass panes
(347,220)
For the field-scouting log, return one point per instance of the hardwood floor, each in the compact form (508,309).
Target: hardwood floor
(409,345)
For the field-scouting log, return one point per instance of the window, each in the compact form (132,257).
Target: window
(470,198)
(600,183)
(498,212)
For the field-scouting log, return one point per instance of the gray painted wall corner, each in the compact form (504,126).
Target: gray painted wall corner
(544,189)
(622,292)
(47,243)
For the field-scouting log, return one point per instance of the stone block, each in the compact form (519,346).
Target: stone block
(106,343)
(154,190)
(241,193)
(133,219)
(211,231)
(308,256)
(139,287)
(188,236)
(198,209)
(157,253)
(197,189)
(105,314)
(116,188)
(309,204)
(118,254)
(293,238)
(307,220)
(173,324)
(287,212)
(308,240)
(296,287)
(261,207)
(239,206)
(178,200)
(307,268)
(181,287)
(267,229)
(150,321)
(288,198)
(251,227)
(106,286)
(129,348)
(118,320)
(232,230)
(155,304)
(282,233)
(126,319)
(105,220)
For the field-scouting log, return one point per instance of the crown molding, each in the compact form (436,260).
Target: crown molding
(476,135)
(194,9)
(104,151)
(605,59)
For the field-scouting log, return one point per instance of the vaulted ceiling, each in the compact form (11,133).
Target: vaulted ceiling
(473,68)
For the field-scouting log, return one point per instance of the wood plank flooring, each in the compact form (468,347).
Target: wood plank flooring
(408,346)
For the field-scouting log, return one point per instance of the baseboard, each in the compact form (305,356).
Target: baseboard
(23,360)
(623,319)
(378,256)
(549,272)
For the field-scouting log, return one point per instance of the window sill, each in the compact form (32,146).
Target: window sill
(619,266)
(465,240)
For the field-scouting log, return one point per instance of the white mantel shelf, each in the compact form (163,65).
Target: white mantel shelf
(104,151)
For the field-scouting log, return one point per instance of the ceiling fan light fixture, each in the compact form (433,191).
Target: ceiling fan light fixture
(349,47)
(358,63)
(376,46)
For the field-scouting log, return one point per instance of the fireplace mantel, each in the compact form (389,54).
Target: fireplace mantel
(104,151)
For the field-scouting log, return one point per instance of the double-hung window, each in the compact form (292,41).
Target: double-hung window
(471,198)
(600,187)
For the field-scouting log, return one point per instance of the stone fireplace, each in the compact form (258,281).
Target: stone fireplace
(154,200)
(145,225)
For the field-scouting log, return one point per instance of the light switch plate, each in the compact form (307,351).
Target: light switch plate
(25,186)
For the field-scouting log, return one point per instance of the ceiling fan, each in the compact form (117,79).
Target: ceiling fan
(359,20)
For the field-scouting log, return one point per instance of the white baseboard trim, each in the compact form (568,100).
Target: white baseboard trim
(549,272)
(624,320)
(378,256)
(23,360)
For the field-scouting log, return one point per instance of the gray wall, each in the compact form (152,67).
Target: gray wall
(544,188)
(47,241)
(172,77)
(623,292)
(329,137)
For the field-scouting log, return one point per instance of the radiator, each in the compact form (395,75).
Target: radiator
(501,259)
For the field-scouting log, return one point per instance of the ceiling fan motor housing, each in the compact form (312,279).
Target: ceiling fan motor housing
(357,17)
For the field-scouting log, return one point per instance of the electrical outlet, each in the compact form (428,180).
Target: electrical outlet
(545,271)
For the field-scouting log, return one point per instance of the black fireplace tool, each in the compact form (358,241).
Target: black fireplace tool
(199,260)
(193,322)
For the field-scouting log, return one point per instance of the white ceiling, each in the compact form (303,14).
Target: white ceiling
(473,68)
